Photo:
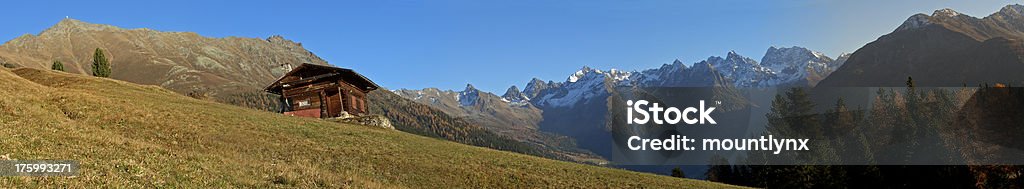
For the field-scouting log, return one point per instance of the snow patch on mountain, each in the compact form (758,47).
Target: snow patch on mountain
(796,63)
(581,85)
(743,71)
(914,22)
(515,97)
(946,12)
(662,76)
(535,86)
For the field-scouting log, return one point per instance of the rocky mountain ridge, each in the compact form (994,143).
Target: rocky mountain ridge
(184,62)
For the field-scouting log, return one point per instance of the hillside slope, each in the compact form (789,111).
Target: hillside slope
(231,70)
(128,135)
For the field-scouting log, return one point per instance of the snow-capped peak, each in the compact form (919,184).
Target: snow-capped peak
(618,75)
(587,83)
(514,97)
(844,55)
(734,57)
(580,74)
(946,12)
(914,22)
(922,20)
(535,86)
(587,72)
(780,58)
(513,94)
(794,64)
(818,54)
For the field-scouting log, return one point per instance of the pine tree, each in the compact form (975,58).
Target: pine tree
(57,66)
(678,173)
(100,64)
(838,120)
(802,118)
(908,133)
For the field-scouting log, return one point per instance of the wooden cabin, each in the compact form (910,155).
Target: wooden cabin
(320,91)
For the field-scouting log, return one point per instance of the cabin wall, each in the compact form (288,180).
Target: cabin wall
(304,101)
(329,97)
(354,99)
(314,113)
(308,98)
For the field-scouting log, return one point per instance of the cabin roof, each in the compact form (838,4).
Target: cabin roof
(349,76)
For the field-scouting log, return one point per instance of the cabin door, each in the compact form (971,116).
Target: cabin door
(334,104)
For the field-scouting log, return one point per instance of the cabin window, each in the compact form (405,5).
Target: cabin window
(362,105)
(359,104)
(303,103)
(352,100)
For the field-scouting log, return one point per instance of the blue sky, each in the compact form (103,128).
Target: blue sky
(496,44)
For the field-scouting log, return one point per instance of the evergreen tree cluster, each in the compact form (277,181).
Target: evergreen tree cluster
(57,66)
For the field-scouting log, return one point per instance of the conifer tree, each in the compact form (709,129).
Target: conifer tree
(57,66)
(678,173)
(100,64)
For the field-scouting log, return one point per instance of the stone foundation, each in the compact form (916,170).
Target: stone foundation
(369,120)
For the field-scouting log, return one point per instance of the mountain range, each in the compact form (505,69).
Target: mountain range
(576,108)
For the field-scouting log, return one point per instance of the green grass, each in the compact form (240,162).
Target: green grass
(127,135)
